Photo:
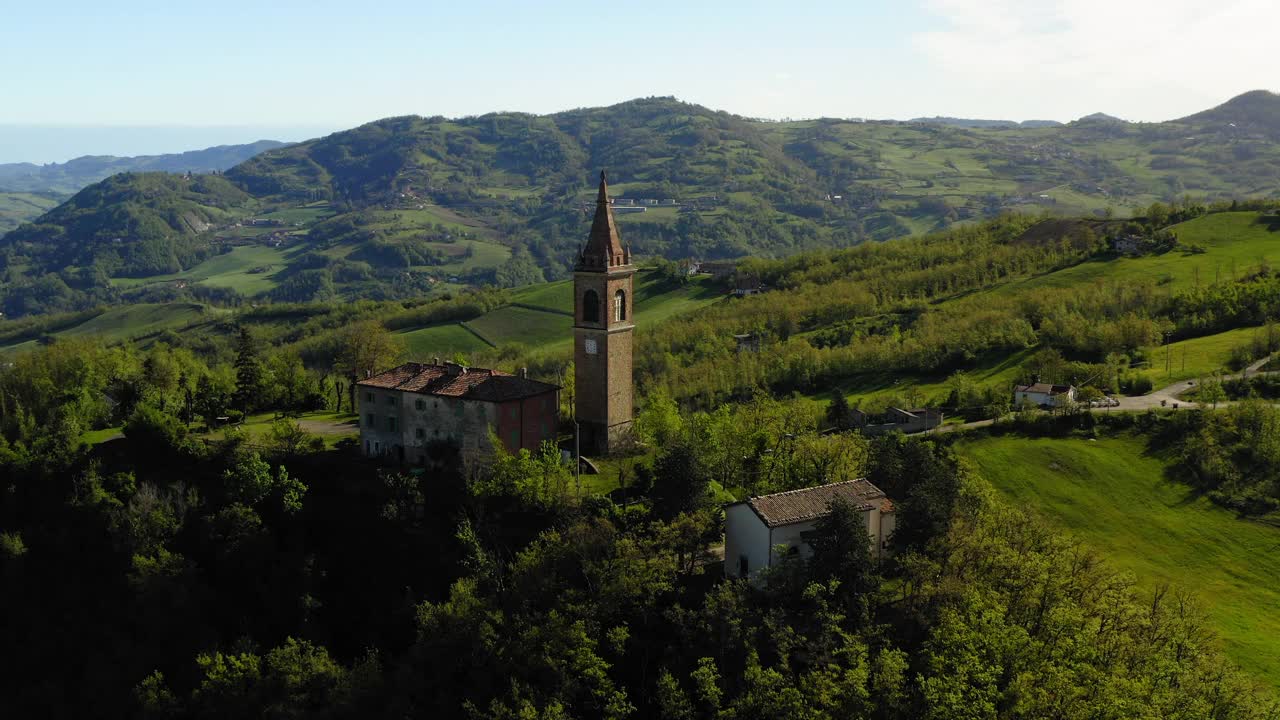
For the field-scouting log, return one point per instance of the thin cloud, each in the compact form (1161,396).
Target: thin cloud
(1144,60)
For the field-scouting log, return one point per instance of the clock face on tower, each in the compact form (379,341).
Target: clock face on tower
(589,345)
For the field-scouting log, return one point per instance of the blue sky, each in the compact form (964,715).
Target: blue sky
(239,70)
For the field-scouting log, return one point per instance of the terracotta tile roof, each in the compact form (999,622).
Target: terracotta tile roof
(604,248)
(1045,388)
(451,380)
(795,506)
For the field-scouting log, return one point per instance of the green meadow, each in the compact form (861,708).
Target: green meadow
(248,269)
(539,317)
(1198,357)
(134,321)
(1235,244)
(441,340)
(1115,496)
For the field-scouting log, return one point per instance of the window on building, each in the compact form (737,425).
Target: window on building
(419,404)
(368,421)
(743,566)
(419,433)
(619,306)
(368,397)
(590,306)
(391,399)
(391,424)
(515,438)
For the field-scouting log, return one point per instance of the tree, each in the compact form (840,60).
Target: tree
(287,437)
(679,481)
(250,378)
(659,423)
(839,414)
(155,433)
(366,347)
(842,551)
(211,399)
(519,270)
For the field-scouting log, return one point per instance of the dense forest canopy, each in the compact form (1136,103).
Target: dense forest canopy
(274,576)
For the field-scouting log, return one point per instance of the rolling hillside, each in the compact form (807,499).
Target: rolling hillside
(539,318)
(410,203)
(1114,496)
(28,190)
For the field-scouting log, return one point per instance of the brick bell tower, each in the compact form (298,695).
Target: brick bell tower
(602,331)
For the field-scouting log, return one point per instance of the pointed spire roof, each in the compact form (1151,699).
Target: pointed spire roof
(604,248)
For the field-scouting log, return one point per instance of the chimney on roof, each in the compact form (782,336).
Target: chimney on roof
(368,373)
(435,360)
(524,372)
(454,368)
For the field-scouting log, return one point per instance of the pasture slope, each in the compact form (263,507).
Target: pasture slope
(131,323)
(1235,245)
(540,317)
(1116,497)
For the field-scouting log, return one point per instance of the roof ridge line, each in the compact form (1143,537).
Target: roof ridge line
(809,489)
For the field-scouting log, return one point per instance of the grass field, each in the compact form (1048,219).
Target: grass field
(553,296)
(1197,357)
(534,328)
(540,317)
(124,323)
(1113,495)
(441,341)
(1235,244)
(230,270)
(19,207)
(332,427)
(130,322)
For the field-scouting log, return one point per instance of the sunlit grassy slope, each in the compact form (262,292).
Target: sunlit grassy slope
(540,317)
(249,269)
(1115,496)
(1235,244)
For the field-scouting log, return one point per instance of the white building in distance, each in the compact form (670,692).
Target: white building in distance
(1043,395)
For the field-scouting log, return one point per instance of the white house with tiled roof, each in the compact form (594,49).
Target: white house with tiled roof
(754,529)
(1043,395)
(407,408)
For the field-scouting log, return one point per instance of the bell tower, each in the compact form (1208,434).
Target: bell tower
(602,330)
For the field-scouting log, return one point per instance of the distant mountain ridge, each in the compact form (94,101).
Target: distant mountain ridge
(978,123)
(399,206)
(1257,109)
(70,176)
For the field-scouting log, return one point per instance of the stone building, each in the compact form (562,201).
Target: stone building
(602,334)
(405,409)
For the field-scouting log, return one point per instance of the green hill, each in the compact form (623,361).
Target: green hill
(28,190)
(19,207)
(130,225)
(1114,495)
(400,206)
(1256,111)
